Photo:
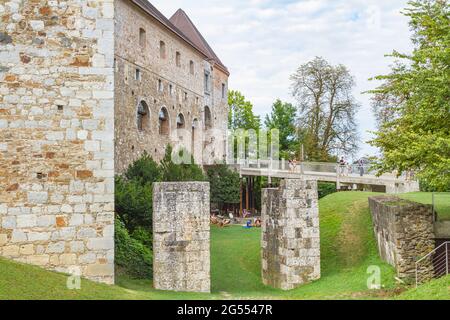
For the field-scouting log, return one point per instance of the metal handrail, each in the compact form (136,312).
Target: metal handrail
(316,167)
(429,255)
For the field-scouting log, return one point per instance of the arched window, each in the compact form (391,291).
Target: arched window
(164,122)
(195,124)
(191,67)
(143,116)
(178,59)
(208,118)
(162,49)
(180,121)
(142,37)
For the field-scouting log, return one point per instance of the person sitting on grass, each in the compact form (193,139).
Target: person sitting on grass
(248,225)
(246,213)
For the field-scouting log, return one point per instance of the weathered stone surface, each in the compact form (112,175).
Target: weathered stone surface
(48,109)
(69,99)
(405,233)
(290,234)
(5,38)
(181,236)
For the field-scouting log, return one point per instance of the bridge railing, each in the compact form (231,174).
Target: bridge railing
(315,168)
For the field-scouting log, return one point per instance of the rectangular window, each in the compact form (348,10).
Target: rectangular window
(224,91)
(171,89)
(160,86)
(185,96)
(178,59)
(207,80)
(138,75)
(162,49)
(142,38)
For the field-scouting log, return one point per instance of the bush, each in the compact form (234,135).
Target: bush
(325,189)
(224,184)
(171,171)
(144,236)
(134,203)
(132,258)
(144,170)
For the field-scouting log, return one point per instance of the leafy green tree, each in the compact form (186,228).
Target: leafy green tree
(417,136)
(131,257)
(134,203)
(241,114)
(283,117)
(144,170)
(171,171)
(224,184)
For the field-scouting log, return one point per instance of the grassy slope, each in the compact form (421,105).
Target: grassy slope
(347,244)
(442,202)
(436,290)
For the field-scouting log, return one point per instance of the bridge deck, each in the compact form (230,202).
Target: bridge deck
(328,172)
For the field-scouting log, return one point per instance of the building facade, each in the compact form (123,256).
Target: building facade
(85,88)
(170,86)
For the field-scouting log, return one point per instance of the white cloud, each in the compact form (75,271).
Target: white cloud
(264,41)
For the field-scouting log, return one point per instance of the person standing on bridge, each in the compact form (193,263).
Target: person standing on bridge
(342,166)
(361,167)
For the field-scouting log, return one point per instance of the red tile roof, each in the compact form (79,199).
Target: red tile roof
(182,21)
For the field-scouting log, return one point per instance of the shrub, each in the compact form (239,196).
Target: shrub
(224,184)
(325,189)
(134,203)
(171,171)
(132,258)
(145,170)
(143,235)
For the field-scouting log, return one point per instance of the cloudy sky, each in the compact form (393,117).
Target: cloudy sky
(264,41)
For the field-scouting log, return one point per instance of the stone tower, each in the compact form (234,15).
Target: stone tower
(56,135)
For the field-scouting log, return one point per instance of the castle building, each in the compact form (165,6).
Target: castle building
(170,87)
(86,87)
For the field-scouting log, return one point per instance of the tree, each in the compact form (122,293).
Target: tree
(241,114)
(283,117)
(327,109)
(171,171)
(224,184)
(418,136)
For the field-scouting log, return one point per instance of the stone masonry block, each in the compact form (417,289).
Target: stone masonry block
(181,240)
(290,234)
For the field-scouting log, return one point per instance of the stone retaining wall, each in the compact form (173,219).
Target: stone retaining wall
(404,232)
(290,234)
(181,236)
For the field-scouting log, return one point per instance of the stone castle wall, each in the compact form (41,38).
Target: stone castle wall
(187,97)
(290,234)
(57,135)
(404,232)
(181,236)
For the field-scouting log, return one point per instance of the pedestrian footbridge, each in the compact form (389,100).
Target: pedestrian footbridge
(353,177)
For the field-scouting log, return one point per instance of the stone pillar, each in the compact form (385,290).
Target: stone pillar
(181,233)
(290,234)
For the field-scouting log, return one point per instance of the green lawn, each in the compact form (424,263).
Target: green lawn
(436,290)
(441,202)
(348,249)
